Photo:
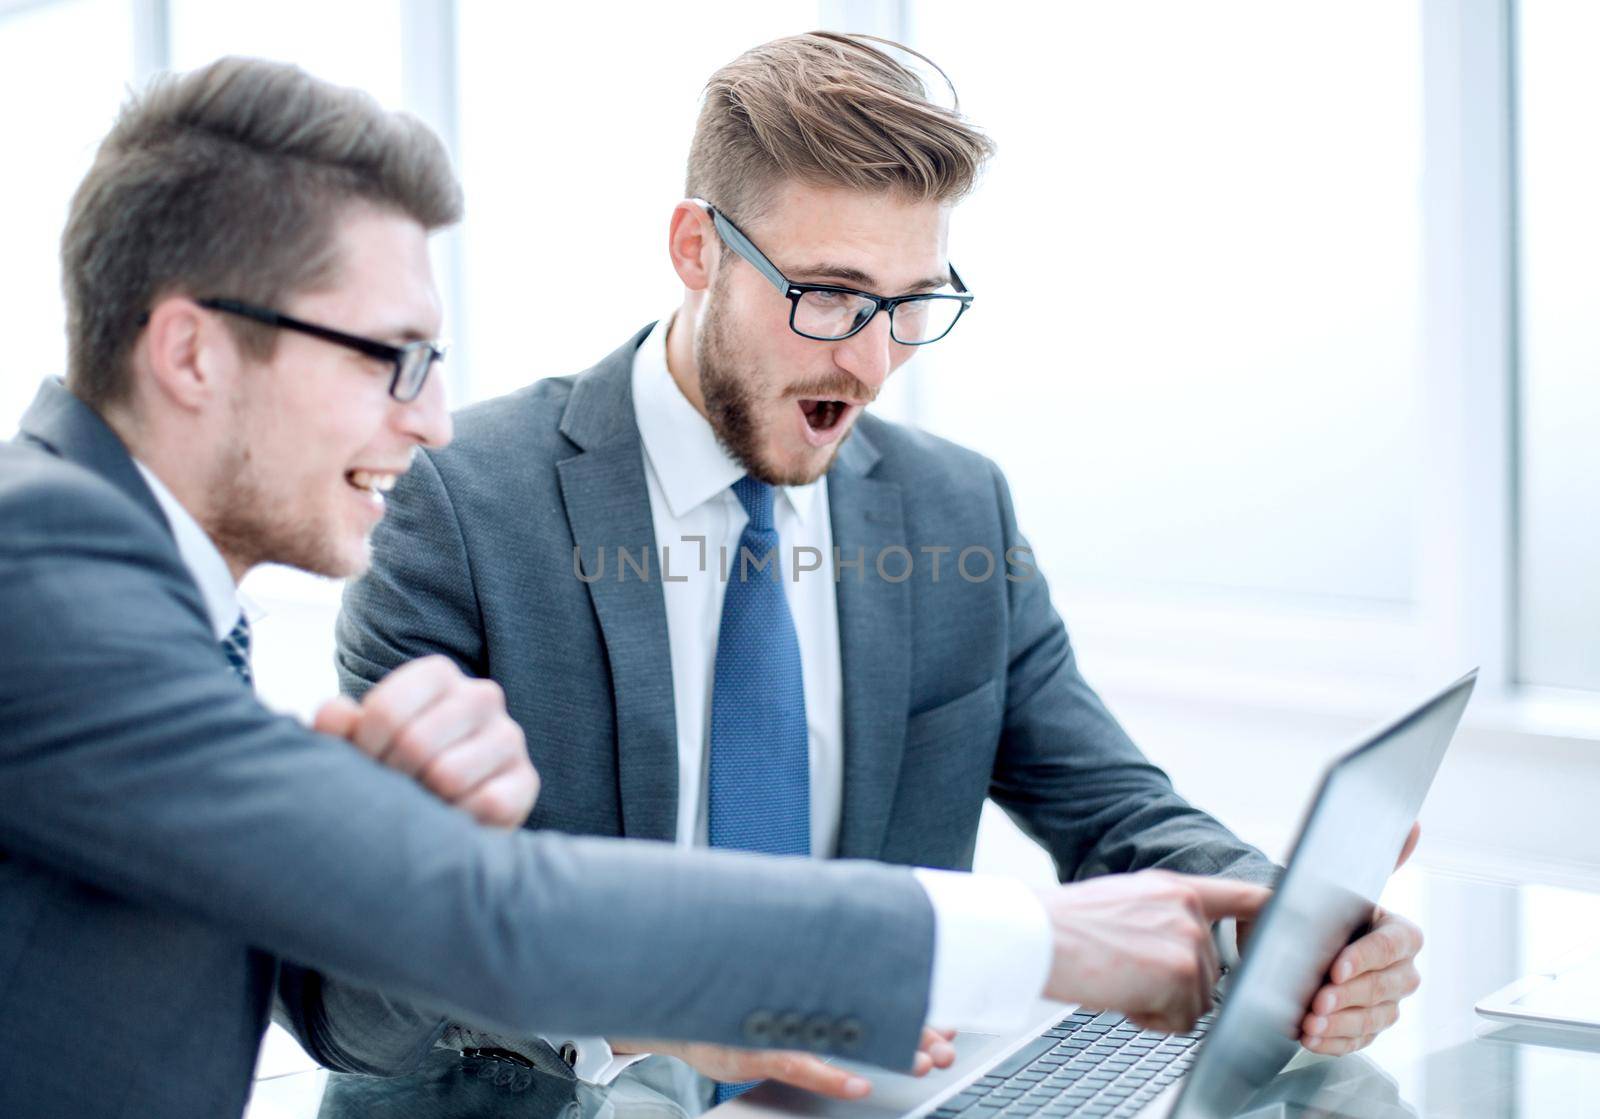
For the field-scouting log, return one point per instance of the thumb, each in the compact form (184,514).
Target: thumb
(337,717)
(1224,897)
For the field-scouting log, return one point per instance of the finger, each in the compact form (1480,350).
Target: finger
(1152,1022)
(1355,1022)
(1410,845)
(1224,897)
(452,720)
(1390,984)
(935,1045)
(1186,994)
(803,1070)
(398,698)
(1210,969)
(1338,1046)
(1392,940)
(480,754)
(337,717)
(504,801)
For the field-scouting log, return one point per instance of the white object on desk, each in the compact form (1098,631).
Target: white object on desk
(1566,997)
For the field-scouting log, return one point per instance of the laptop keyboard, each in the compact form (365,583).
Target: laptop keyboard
(1088,1064)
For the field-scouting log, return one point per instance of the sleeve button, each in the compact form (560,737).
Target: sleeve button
(759,1026)
(790,1031)
(847,1035)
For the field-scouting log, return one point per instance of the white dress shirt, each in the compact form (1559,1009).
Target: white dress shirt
(992,948)
(698,522)
(992,940)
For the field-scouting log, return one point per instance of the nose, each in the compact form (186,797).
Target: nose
(426,420)
(870,354)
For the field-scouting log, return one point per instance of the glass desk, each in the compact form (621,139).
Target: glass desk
(1441,1059)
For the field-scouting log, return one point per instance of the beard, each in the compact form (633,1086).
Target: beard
(730,405)
(251,525)
(729,373)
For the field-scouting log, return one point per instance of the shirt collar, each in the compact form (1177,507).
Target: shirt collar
(206,565)
(691,465)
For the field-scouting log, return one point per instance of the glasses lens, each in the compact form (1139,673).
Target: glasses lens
(415,361)
(831,314)
(924,320)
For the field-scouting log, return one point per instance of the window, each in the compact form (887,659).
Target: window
(571,172)
(1195,344)
(353,42)
(1559,387)
(1209,264)
(76,57)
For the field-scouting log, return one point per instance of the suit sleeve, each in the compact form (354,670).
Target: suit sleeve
(1068,773)
(133,761)
(418,597)
(348,1028)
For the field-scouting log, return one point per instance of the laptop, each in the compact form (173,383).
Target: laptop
(1077,1062)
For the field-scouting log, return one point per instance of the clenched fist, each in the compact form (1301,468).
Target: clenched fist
(448,730)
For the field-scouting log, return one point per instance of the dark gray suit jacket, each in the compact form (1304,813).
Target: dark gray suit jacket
(164,839)
(954,690)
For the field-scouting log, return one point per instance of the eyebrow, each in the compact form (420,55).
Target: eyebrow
(822,273)
(400,335)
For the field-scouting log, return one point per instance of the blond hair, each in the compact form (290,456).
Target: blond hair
(829,110)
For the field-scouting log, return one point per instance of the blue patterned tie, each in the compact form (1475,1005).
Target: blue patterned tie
(236,647)
(760,761)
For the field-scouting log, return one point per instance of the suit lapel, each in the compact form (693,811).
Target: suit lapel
(608,508)
(874,645)
(65,426)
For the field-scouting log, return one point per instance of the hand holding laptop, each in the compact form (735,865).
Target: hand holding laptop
(1141,944)
(1365,983)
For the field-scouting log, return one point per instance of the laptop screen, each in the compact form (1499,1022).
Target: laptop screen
(1344,855)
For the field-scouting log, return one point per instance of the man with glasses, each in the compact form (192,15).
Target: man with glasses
(250,308)
(731,609)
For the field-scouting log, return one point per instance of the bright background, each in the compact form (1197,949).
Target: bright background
(1285,333)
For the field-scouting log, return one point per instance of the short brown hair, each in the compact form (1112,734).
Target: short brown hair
(228,181)
(831,110)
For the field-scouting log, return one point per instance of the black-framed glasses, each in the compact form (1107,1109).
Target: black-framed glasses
(828,313)
(412,361)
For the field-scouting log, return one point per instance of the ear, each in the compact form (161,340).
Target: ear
(184,354)
(692,243)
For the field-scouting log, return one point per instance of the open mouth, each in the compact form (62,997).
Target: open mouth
(371,482)
(824,415)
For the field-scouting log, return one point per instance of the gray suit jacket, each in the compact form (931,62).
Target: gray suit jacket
(164,839)
(954,690)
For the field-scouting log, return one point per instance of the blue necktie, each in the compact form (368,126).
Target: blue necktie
(760,797)
(236,647)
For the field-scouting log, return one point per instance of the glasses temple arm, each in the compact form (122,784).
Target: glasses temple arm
(746,248)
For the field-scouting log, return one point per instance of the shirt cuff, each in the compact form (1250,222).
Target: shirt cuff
(992,951)
(591,1058)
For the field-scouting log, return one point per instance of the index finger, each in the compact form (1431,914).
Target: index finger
(1393,939)
(398,698)
(1226,897)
